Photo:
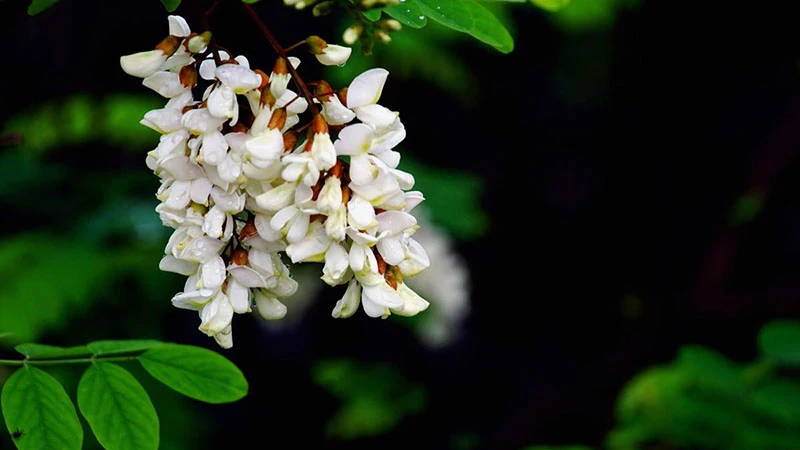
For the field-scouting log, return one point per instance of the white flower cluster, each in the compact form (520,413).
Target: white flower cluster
(240,186)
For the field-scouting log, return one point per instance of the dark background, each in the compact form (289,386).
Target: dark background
(612,163)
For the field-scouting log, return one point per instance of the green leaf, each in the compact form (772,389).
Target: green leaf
(373,15)
(38,6)
(171,5)
(251,1)
(408,13)
(117,408)
(40,351)
(196,372)
(110,347)
(780,341)
(551,5)
(38,412)
(781,401)
(469,16)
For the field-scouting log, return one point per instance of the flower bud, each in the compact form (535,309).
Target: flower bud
(278,119)
(323,9)
(239,257)
(169,45)
(188,76)
(323,90)
(352,33)
(289,141)
(198,43)
(390,25)
(316,45)
(383,36)
(334,55)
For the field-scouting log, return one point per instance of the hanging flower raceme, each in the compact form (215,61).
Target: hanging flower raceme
(255,177)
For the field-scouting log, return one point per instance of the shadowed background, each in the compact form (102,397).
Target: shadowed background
(622,184)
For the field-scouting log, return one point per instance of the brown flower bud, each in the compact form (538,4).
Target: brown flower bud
(169,45)
(248,230)
(281,66)
(289,140)
(343,95)
(319,125)
(239,257)
(264,78)
(323,90)
(278,119)
(316,44)
(188,76)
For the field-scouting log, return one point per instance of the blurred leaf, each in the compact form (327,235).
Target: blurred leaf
(16,173)
(38,412)
(582,16)
(251,1)
(747,208)
(780,341)
(40,351)
(551,5)
(443,68)
(781,401)
(80,119)
(117,408)
(711,370)
(46,279)
(172,5)
(375,398)
(196,372)
(452,197)
(567,447)
(408,13)
(111,347)
(373,15)
(469,16)
(38,6)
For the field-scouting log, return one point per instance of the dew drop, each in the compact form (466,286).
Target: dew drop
(421,17)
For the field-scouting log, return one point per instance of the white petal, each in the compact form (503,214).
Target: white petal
(212,273)
(172,264)
(247,277)
(214,219)
(239,296)
(230,203)
(416,260)
(360,213)
(395,222)
(216,315)
(142,64)
(322,151)
(269,307)
(391,250)
(200,190)
(334,55)
(298,228)
(214,148)
(265,148)
(335,113)
(178,26)
(167,84)
(354,139)
(375,115)
(239,78)
(348,304)
(412,302)
(362,171)
(366,88)
(221,102)
(336,264)
(178,195)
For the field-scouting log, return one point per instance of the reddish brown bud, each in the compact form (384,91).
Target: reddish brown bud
(264,78)
(169,45)
(188,76)
(278,119)
(309,140)
(316,44)
(225,287)
(345,194)
(289,140)
(239,257)
(379,210)
(343,95)
(319,124)
(381,263)
(390,279)
(281,66)
(240,128)
(267,99)
(315,190)
(314,217)
(336,170)
(323,91)
(249,230)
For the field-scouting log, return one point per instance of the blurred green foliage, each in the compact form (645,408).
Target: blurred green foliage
(375,397)
(746,208)
(702,400)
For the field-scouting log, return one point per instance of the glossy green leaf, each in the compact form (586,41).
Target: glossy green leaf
(129,346)
(551,5)
(469,16)
(196,372)
(117,408)
(373,15)
(40,351)
(171,5)
(408,13)
(780,341)
(38,412)
(38,6)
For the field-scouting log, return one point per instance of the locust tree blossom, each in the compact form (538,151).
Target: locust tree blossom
(256,178)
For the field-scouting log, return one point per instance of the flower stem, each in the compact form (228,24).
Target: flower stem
(55,362)
(282,53)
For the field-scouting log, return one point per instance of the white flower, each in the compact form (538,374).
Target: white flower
(334,55)
(142,64)
(363,95)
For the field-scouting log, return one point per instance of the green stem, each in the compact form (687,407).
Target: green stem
(54,362)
